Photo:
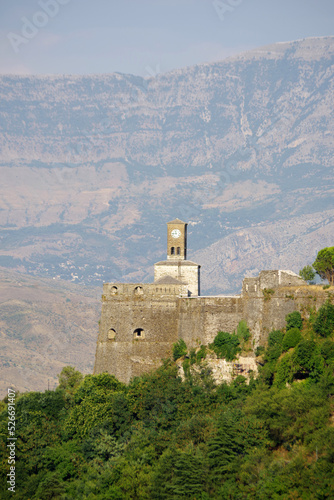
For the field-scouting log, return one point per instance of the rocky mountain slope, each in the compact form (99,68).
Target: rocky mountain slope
(44,326)
(93,166)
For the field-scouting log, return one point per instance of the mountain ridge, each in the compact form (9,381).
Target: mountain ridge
(93,166)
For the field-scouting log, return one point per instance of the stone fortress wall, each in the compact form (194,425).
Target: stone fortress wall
(140,322)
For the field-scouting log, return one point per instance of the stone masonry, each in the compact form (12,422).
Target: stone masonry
(140,322)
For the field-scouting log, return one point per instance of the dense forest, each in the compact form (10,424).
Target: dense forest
(169,437)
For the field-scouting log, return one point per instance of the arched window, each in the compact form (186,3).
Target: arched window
(139,290)
(111,334)
(172,251)
(139,333)
(113,290)
(178,251)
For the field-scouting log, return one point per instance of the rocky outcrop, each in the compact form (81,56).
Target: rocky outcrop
(224,371)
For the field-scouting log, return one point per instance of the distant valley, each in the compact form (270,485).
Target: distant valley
(44,325)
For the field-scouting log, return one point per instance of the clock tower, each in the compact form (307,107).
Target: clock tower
(177,270)
(176,240)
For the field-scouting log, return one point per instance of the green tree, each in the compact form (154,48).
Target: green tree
(302,356)
(190,475)
(274,349)
(291,338)
(69,379)
(285,371)
(307,359)
(179,349)
(324,264)
(307,273)
(275,338)
(327,350)
(51,487)
(243,332)
(93,404)
(294,320)
(226,345)
(164,477)
(324,322)
(225,446)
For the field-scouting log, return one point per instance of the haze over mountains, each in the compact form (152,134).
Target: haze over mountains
(44,325)
(92,167)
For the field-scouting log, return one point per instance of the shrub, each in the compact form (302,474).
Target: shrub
(291,338)
(259,350)
(273,352)
(274,349)
(192,356)
(267,372)
(267,293)
(275,337)
(186,367)
(179,349)
(327,349)
(226,345)
(294,320)
(324,322)
(201,354)
(284,371)
(243,331)
(302,357)
(307,360)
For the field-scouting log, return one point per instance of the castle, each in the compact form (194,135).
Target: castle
(140,322)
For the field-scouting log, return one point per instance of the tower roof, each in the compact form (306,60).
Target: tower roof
(176,262)
(176,221)
(169,280)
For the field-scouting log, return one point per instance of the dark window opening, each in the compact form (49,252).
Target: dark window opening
(172,251)
(139,332)
(111,334)
(178,251)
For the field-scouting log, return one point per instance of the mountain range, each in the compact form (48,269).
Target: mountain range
(92,167)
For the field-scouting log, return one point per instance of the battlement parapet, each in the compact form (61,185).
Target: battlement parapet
(253,287)
(140,322)
(122,291)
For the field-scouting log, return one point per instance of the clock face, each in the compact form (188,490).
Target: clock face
(176,233)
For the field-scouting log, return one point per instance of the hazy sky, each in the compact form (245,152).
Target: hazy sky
(146,36)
